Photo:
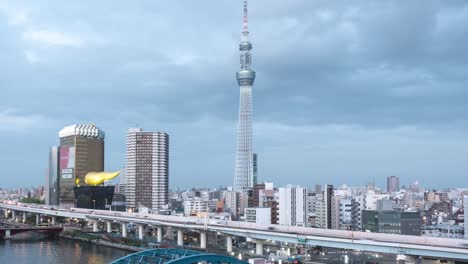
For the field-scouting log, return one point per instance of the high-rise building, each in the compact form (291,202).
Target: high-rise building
(293,206)
(256,194)
(232,201)
(81,151)
(414,187)
(393,184)
(328,205)
(244,176)
(346,214)
(147,169)
(53,177)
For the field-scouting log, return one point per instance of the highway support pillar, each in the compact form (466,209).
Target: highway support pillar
(203,238)
(180,238)
(124,229)
(24,217)
(6,213)
(109,226)
(229,244)
(38,218)
(13,215)
(159,235)
(53,220)
(95,226)
(140,232)
(259,247)
(7,233)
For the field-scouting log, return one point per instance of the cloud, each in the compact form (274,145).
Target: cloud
(332,79)
(15,16)
(13,121)
(31,56)
(53,38)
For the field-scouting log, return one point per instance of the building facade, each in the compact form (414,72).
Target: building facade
(53,182)
(81,151)
(393,184)
(293,206)
(328,205)
(147,169)
(258,215)
(465,212)
(392,222)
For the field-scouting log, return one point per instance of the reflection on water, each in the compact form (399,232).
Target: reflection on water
(56,251)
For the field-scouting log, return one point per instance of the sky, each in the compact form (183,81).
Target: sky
(347,92)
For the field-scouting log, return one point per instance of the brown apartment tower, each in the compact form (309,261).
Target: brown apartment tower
(81,151)
(147,169)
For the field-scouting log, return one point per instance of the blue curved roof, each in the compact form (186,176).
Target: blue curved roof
(175,256)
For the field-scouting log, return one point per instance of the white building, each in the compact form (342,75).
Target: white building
(320,212)
(258,215)
(371,198)
(231,202)
(345,214)
(147,169)
(292,206)
(195,206)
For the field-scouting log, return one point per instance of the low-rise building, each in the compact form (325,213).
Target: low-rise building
(258,215)
(391,222)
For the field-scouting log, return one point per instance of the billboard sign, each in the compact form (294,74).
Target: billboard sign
(67,158)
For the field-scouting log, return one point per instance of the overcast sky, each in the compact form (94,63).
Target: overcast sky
(346,91)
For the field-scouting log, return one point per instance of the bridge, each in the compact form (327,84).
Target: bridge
(8,232)
(411,246)
(176,256)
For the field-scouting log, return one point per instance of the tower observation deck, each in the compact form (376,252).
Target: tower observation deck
(244,173)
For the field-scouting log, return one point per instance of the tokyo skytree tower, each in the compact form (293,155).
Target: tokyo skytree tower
(244,176)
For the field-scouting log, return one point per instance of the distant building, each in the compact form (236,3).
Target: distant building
(335,212)
(328,205)
(392,222)
(147,169)
(292,206)
(318,188)
(465,209)
(443,230)
(393,184)
(256,194)
(81,151)
(320,210)
(345,214)
(356,212)
(231,202)
(258,215)
(53,182)
(414,187)
(192,207)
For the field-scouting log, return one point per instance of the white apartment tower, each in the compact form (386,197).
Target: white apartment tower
(293,206)
(147,169)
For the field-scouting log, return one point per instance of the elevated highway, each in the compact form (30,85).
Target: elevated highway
(443,248)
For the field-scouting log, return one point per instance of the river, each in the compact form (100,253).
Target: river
(56,251)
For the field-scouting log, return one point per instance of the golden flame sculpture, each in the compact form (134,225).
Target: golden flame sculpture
(98,178)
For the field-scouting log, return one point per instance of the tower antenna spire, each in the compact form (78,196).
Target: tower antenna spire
(246,18)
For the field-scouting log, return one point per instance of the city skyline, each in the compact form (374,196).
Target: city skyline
(334,89)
